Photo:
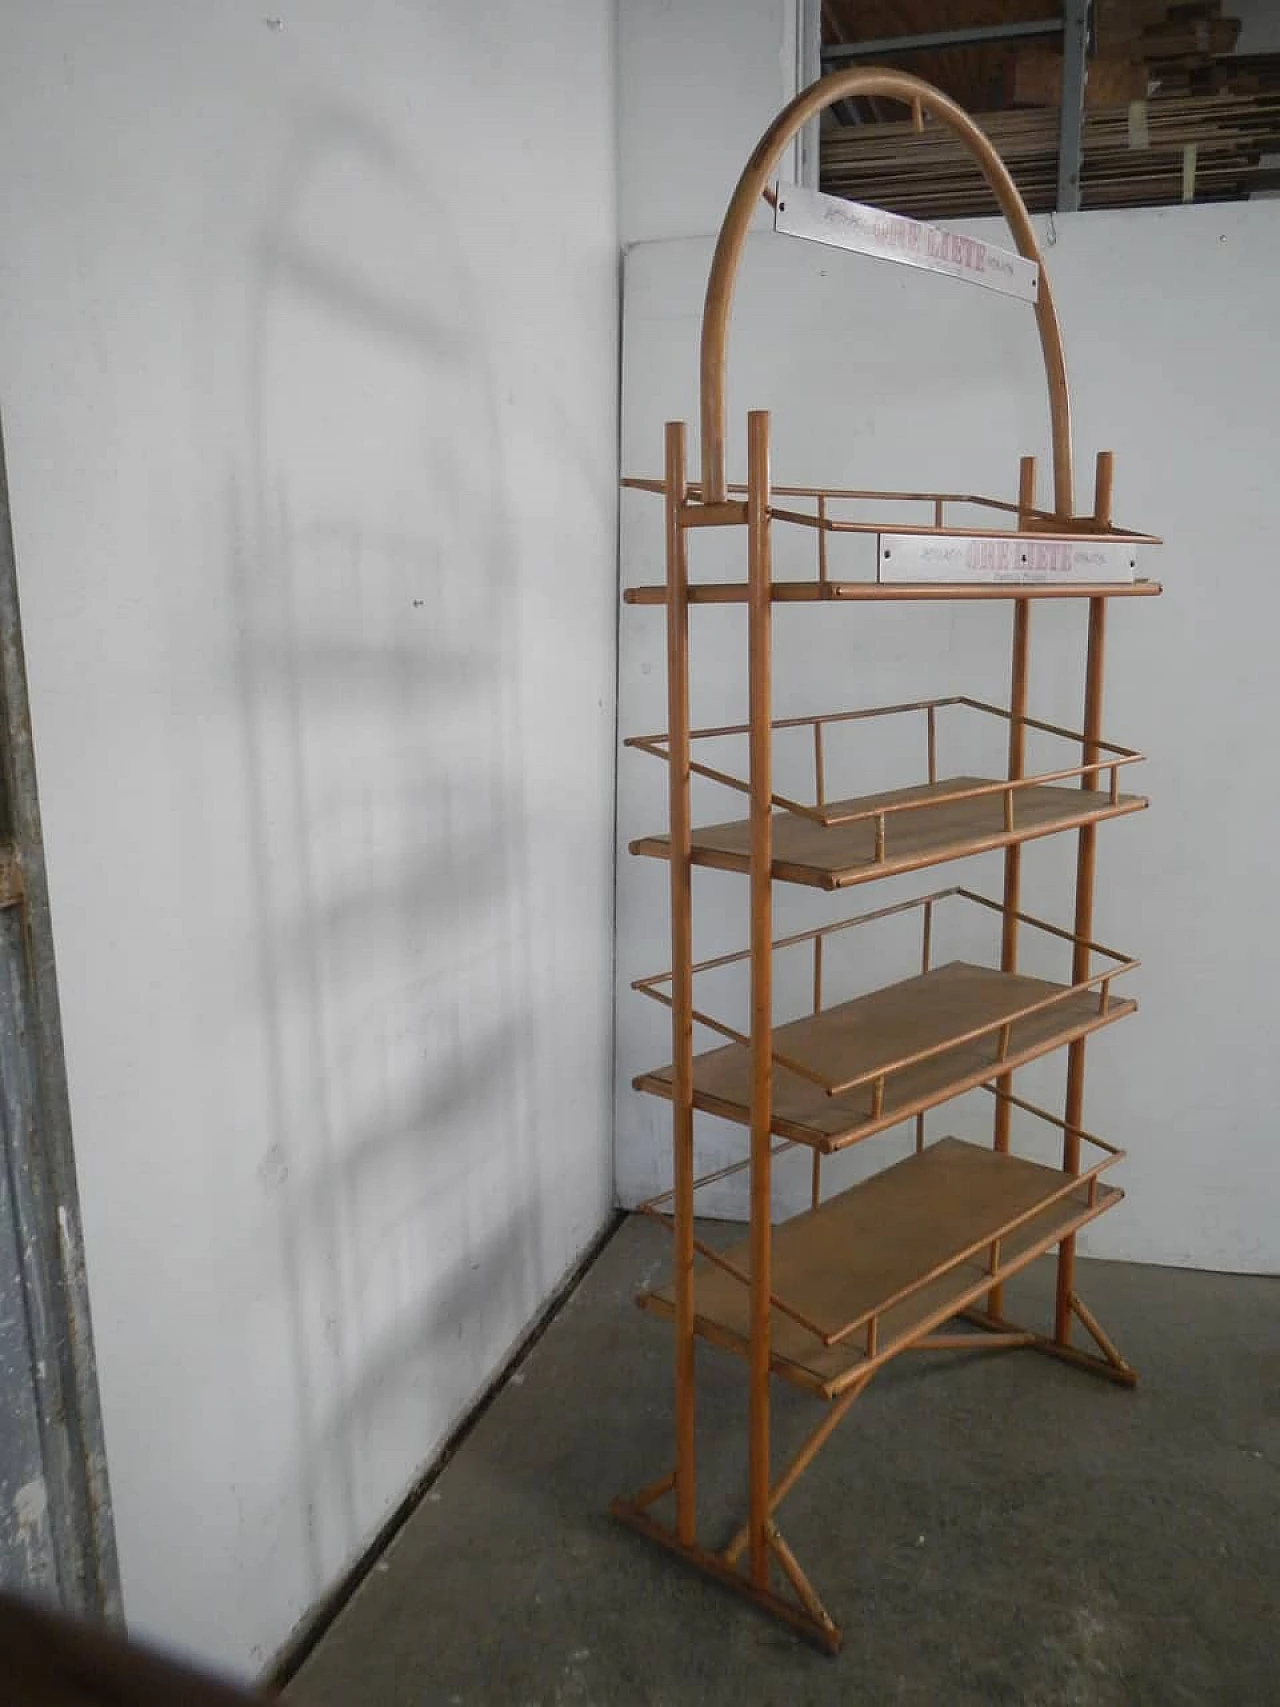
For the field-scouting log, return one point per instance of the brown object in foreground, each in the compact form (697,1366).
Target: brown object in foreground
(49,1660)
(829,1298)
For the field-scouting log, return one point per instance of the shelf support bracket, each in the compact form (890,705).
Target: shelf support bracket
(1097,1334)
(816,1626)
(805,1591)
(1111,1367)
(800,1463)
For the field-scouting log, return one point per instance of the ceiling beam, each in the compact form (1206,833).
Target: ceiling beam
(833,52)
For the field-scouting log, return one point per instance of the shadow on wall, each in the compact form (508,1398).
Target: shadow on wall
(379,679)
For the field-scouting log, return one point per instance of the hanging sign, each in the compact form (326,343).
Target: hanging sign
(893,237)
(957,558)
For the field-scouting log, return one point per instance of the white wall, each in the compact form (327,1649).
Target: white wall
(307,362)
(878,376)
(1259,26)
(697,84)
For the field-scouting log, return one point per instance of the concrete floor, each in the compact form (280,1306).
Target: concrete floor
(988,1529)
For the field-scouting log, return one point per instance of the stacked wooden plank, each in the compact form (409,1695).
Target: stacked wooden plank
(1133,45)
(1163,30)
(1169,148)
(1234,74)
(1139,48)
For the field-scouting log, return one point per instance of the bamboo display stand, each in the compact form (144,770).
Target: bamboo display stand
(833,1295)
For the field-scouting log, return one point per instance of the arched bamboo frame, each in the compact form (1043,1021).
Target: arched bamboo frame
(922,98)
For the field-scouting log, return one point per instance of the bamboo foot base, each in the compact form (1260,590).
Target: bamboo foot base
(811,1621)
(1111,1367)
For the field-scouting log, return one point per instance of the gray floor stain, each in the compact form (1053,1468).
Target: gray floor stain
(989,1530)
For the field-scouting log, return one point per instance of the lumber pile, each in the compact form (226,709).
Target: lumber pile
(1140,48)
(1172,115)
(1170,148)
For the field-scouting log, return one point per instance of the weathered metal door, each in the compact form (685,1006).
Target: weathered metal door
(55,1519)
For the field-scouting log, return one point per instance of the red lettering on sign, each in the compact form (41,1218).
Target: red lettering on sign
(1049,557)
(990,557)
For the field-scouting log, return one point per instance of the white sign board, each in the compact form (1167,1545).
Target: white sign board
(960,558)
(892,237)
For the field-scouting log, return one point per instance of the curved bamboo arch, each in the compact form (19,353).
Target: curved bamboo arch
(921,97)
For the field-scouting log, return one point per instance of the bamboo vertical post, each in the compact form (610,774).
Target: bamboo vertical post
(1013,855)
(1103,482)
(926,938)
(759,662)
(681,981)
(1017,741)
(815,1184)
(1018,686)
(1026,489)
(1086,869)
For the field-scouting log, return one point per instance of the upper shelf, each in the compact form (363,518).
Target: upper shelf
(814,592)
(942,821)
(831,844)
(1010,551)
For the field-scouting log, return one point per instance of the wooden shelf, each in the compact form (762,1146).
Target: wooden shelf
(877,1251)
(820,592)
(876,1271)
(838,855)
(867,1035)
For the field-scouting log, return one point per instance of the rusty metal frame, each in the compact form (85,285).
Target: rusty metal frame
(40,1161)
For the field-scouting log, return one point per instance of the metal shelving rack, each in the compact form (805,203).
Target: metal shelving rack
(831,1296)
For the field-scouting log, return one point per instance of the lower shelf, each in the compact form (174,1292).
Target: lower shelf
(876,1251)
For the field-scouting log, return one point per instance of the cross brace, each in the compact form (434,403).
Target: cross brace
(806,1613)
